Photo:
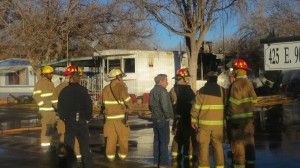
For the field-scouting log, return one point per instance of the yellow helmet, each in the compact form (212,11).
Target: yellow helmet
(116,72)
(80,71)
(47,69)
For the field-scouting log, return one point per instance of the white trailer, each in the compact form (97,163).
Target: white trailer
(141,67)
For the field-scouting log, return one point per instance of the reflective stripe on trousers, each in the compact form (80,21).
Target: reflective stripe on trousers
(112,117)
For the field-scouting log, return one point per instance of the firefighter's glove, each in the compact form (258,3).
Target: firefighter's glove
(194,125)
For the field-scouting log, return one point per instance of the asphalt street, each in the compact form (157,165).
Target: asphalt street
(277,141)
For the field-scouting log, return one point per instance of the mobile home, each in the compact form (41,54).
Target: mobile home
(16,78)
(141,67)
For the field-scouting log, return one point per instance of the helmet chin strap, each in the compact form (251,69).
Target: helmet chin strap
(47,76)
(119,78)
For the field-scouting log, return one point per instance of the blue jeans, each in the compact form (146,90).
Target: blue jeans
(161,131)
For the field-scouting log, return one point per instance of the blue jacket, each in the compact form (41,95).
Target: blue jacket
(160,103)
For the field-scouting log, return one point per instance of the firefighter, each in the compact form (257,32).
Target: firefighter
(117,104)
(43,96)
(182,96)
(207,117)
(240,110)
(60,123)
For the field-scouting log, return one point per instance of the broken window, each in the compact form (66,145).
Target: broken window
(114,64)
(129,65)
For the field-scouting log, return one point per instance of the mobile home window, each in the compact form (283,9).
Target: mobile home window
(113,64)
(129,65)
(17,78)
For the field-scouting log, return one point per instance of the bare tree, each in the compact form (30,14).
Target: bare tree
(47,30)
(267,18)
(189,18)
(230,45)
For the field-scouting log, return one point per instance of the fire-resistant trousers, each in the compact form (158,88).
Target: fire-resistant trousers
(205,137)
(242,144)
(48,124)
(116,132)
(61,129)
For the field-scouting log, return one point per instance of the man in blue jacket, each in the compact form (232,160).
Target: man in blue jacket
(162,111)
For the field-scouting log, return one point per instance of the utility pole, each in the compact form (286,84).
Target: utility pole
(68,63)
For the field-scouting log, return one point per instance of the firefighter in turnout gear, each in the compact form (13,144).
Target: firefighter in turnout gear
(207,117)
(117,104)
(43,96)
(240,110)
(182,96)
(60,123)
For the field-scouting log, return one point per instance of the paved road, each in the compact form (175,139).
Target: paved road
(277,141)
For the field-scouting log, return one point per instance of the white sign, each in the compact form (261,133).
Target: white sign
(282,56)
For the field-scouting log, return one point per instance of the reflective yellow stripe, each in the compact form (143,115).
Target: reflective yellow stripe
(45,144)
(127,99)
(122,156)
(110,157)
(197,106)
(112,102)
(244,115)
(244,100)
(174,154)
(238,166)
(37,92)
(203,166)
(54,101)
(40,103)
(211,122)
(121,116)
(212,107)
(46,109)
(46,94)
(219,166)
(194,120)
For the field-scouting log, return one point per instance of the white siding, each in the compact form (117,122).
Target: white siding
(142,81)
(17,90)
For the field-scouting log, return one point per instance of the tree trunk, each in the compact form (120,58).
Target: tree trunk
(193,60)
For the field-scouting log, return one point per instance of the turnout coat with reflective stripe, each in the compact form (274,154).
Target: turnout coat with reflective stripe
(208,108)
(43,94)
(242,98)
(112,108)
(57,91)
